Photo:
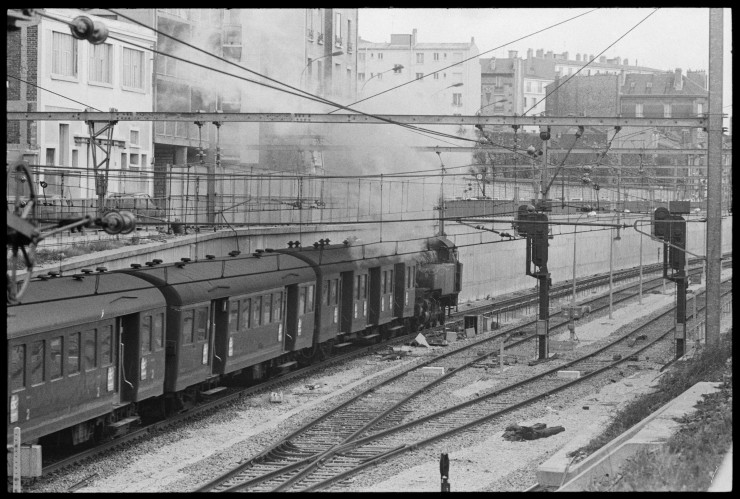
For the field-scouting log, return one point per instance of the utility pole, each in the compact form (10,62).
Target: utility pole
(714,177)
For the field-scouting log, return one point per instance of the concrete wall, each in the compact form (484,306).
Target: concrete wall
(492,266)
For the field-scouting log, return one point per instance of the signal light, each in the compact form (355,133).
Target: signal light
(661,224)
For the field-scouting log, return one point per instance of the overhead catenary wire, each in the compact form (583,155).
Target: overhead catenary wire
(592,60)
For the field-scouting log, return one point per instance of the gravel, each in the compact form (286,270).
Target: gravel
(181,459)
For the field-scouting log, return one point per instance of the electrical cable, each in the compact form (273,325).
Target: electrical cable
(592,60)
(475,56)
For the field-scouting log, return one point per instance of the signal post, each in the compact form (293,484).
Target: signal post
(534,226)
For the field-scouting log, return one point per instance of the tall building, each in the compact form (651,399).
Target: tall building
(49,70)
(311,49)
(438,84)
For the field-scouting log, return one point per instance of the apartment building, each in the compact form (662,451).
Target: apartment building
(443,78)
(49,70)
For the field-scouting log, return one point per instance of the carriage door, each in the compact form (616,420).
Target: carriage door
(218,331)
(399,277)
(291,318)
(345,301)
(128,348)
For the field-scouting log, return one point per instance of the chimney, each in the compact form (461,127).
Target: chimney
(677,80)
(578,57)
(591,57)
(626,62)
(565,55)
(619,61)
(512,54)
(540,53)
(602,58)
(549,54)
(529,53)
(622,78)
(493,63)
(413,37)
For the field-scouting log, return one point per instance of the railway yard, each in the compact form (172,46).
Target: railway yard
(255,434)
(478,273)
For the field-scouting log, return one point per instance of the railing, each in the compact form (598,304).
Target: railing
(338,41)
(320,39)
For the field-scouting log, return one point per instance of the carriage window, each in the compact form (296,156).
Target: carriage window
(55,358)
(201,323)
(266,309)
(146,334)
(187,326)
(363,286)
(357,288)
(91,352)
(233,316)
(106,345)
(390,281)
(383,277)
(244,324)
(333,292)
(17,367)
(301,301)
(325,292)
(256,311)
(158,331)
(309,298)
(277,307)
(73,353)
(37,362)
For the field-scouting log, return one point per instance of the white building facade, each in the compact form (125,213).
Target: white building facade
(78,75)
(440,78)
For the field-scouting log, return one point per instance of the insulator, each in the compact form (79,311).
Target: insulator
(81,27)
(587,168)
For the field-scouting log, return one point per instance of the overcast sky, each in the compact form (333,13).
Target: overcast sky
(671,38)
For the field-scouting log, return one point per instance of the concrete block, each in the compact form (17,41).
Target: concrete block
(433,370)
(652,432)
(569,374)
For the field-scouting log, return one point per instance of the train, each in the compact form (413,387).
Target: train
(93,354)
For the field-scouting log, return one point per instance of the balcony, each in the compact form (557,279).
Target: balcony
(320,39)
(349,47)
(338,42)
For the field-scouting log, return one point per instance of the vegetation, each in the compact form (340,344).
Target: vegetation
(691,457)
(47,256)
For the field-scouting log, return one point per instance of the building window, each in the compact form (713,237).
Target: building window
(436,56)
(338,30)
(457,78)
(419,76)
(380,55)
(419,58)
(360,76)
(64,55)
(436,76)
(529,86)
(101,63)
(638,110)
(50,152)
(457,100)
(699,109)
(379,76)
(124,160)
(539,86)
(361,56)
(133,63)
(134,137)
(134,160)
(525,102)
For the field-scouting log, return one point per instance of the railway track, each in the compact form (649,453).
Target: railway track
(328,448)
(232,394)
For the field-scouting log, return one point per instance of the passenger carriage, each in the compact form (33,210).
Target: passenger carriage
(82,352)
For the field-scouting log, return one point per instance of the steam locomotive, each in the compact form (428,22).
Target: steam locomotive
(92,353)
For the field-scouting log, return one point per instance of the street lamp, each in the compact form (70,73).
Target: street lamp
(450,86)
(477,113)
(396,67)
(572,325)
(333,54)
